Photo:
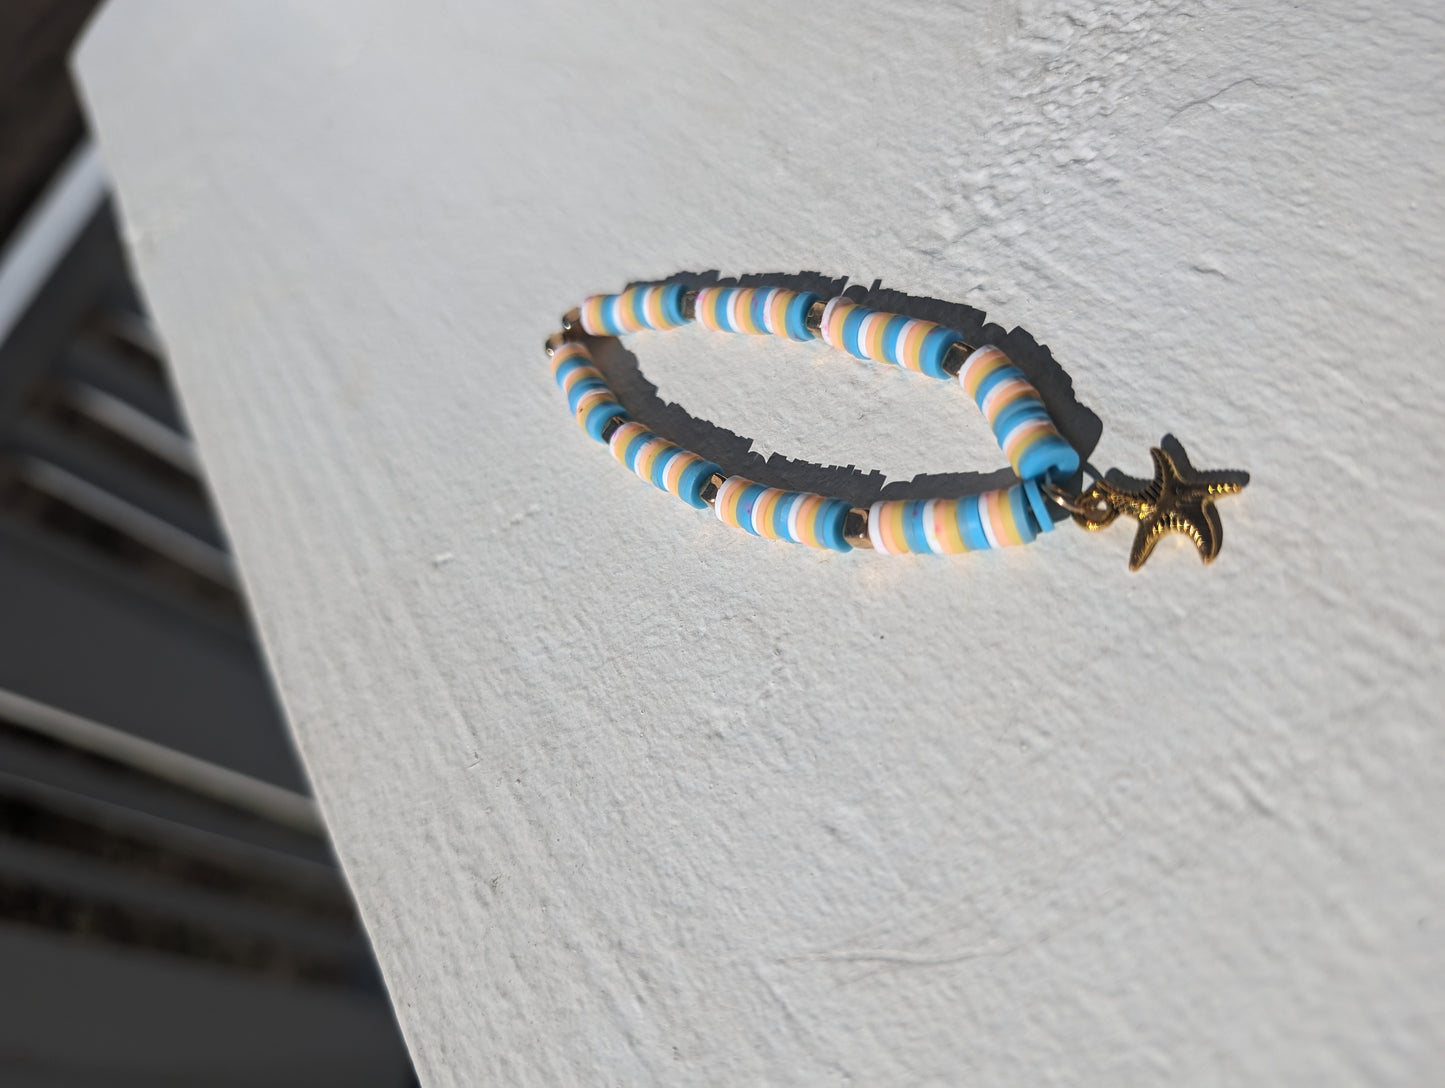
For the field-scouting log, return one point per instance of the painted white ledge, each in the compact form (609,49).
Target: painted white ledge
(628,798)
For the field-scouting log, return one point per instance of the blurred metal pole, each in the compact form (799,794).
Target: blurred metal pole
(280,806)
(48,231)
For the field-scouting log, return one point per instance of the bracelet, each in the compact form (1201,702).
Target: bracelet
(1177,499)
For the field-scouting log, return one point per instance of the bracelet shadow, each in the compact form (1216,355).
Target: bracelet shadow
(1172,446)
(734,454)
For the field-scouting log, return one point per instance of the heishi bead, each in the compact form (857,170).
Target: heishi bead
(887,338)
(647,306)
(755,310)
(588,395)
(1043,508)
(1017,415)
(798,517)
(994,519)
(668,467)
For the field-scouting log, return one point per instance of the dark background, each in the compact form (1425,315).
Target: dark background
(156,928)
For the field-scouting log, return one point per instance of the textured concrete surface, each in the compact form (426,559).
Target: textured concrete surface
(630,798)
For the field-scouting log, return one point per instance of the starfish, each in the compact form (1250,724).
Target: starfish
(1176,500)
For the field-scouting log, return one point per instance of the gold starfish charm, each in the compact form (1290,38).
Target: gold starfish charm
(1176,500)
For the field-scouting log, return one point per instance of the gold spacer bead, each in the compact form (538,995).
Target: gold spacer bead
(688,305)
(611,427)
(813,319)
(954,358)
(572,323)
(711,487)
(855,528)
(555,341)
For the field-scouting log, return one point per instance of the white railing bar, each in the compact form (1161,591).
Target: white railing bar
(198,776)
(48,231)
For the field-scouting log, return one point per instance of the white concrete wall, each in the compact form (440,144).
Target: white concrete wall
(630,798)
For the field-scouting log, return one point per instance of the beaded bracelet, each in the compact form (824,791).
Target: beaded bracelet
(1176,500)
